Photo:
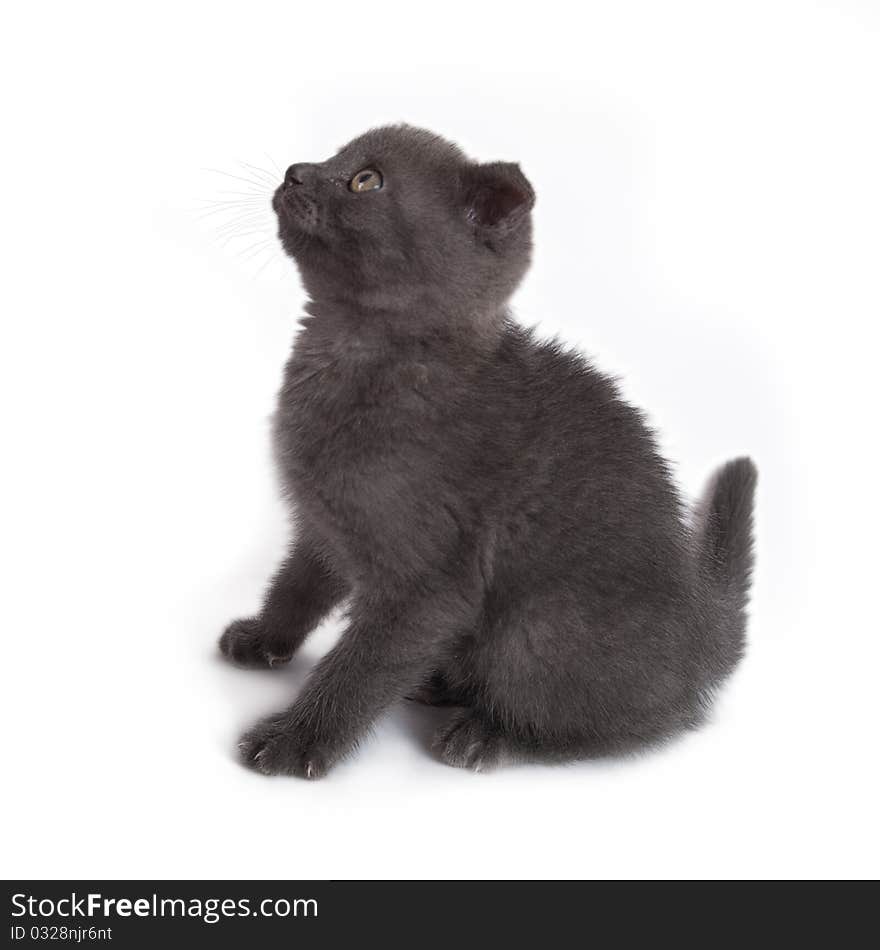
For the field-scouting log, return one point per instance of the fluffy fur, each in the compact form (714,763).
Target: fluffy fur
(499,520)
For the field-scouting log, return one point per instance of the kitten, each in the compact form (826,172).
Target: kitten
(498,518)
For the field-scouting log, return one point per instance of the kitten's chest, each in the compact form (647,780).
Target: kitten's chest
(341,416)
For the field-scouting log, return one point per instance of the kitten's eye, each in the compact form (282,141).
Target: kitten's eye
(367,180)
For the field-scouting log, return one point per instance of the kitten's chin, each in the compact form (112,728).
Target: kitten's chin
(293,243)
(294,234)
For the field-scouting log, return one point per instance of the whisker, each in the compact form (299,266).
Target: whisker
(246,217)
(242,214)
(249,181)
(245,253)
(241,217)
(264,265)
(249,195)
(235,241)
(274,165)
(259,253)
(249,199)
(250,220)
(262,195)
(269,176)
(256,255)
(207,212)
(239,235)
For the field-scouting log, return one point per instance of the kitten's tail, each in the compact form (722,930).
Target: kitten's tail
(725,559)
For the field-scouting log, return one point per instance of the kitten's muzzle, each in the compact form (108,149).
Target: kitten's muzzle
(296,175)
(292,193)
(294,200)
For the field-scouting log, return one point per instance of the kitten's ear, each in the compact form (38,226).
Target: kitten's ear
(498,196)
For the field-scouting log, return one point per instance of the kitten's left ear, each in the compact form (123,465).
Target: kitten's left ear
(498,196)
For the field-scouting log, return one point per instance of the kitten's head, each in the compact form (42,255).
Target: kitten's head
(400,220)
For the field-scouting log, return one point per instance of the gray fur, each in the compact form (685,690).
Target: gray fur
(499,520)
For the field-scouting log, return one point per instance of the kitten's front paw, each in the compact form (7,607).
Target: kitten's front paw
(277,747)
(249,642)
(467,742)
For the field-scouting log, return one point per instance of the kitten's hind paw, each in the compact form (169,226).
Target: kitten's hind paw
(250,643)
(469,742)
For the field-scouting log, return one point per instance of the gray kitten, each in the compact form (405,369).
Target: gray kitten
(499,519)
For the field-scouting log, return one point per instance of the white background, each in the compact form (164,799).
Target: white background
(707,228)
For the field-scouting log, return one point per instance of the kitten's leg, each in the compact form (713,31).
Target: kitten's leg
(388,649)
(436,690)
(301,593)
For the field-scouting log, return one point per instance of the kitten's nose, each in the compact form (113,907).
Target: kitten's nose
(298,174)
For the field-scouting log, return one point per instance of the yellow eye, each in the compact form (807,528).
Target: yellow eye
(366,180)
